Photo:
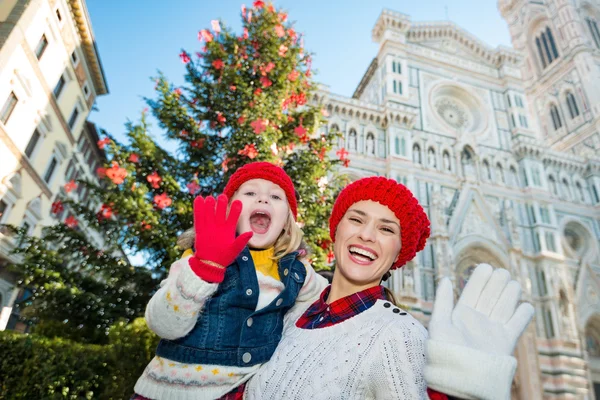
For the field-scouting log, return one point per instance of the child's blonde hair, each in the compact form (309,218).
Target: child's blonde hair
(289,240)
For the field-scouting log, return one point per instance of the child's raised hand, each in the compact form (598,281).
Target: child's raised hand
(216,245)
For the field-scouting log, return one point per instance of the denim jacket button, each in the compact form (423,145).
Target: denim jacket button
(278,303)
(245,258)
(249,322)
(246,357)
(286,272)
(249,292)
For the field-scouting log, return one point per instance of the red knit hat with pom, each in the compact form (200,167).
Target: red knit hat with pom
(414,224)
(267,171)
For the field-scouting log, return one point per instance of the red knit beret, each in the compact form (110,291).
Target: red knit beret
(414,224)
(267,171)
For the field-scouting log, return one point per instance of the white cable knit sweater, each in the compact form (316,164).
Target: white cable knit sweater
(377,354)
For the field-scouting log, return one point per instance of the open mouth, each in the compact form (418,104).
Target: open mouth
(260,221)
(362,255)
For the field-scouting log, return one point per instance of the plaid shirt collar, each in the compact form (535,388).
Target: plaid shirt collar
(321,314)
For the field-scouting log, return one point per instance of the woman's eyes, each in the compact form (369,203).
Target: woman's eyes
(386,229)
(354,219)
(275,197)
(250,193)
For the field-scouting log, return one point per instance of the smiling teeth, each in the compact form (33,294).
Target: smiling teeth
(363,252)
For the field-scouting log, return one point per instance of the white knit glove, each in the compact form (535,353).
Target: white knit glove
(469,347)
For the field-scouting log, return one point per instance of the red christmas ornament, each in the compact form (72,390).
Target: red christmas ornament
(259,125)
(249,151)
(205,35)
(116,174)
(71,222)
(265,82)
(57,207)
(185,58)
(162,201)
(154,179)
(69,187)
(218,64)
(193,187)
(103,142)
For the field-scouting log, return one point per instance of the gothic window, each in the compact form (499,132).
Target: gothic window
(499,173)
(572,104)
(468,161)
(553,186)
(487,170)
(579,189)
(566,189)
(593,26)
(352,140)
(554,114)
(431,157)
(397,144)
(370,144)
(546,47)
(403,146)
(446,158)
(548,323)
(513,176)
(335,129)
(416,154)
(464,277)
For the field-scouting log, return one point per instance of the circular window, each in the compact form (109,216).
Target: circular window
(452,112)
(458,109)
(577,239)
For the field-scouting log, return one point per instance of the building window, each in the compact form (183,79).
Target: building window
(50,171)
(395,87)
(513,124)
(556,121)
(8,107)
(508,100)
(86,90)
(487,170)
(399,87)
(594,30)
(393,66)
(519,101)
(59,86)
(566,189)
(3,210)
(74,58)
(553,186)
(545,214)
(352,142)
(58,16)
(572,104)
(523,121)
(397,144)
(446,160)
(499,173)
(35,138)
(535,175)
(416,154)
(580,193)
(546,47)
(550,243)
(548,324)
(73,117)
(41,47)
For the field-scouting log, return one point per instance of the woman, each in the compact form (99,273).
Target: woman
(354,343)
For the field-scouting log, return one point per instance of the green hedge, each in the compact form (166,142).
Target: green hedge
(37,367)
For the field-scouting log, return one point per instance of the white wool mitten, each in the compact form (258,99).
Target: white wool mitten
(470,346)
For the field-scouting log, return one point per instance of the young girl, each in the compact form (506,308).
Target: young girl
(220,311)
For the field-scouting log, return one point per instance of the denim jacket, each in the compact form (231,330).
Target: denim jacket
(230,331)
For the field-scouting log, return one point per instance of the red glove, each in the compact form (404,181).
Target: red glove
(216,244)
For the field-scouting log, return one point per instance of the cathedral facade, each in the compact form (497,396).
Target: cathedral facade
(502,148)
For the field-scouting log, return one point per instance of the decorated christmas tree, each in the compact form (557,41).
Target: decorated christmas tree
(247,97)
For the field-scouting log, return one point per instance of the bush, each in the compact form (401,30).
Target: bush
(37,367)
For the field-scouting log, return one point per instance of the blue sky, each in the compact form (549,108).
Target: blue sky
(137,38)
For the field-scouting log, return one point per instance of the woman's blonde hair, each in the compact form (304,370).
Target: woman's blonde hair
(289,240)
